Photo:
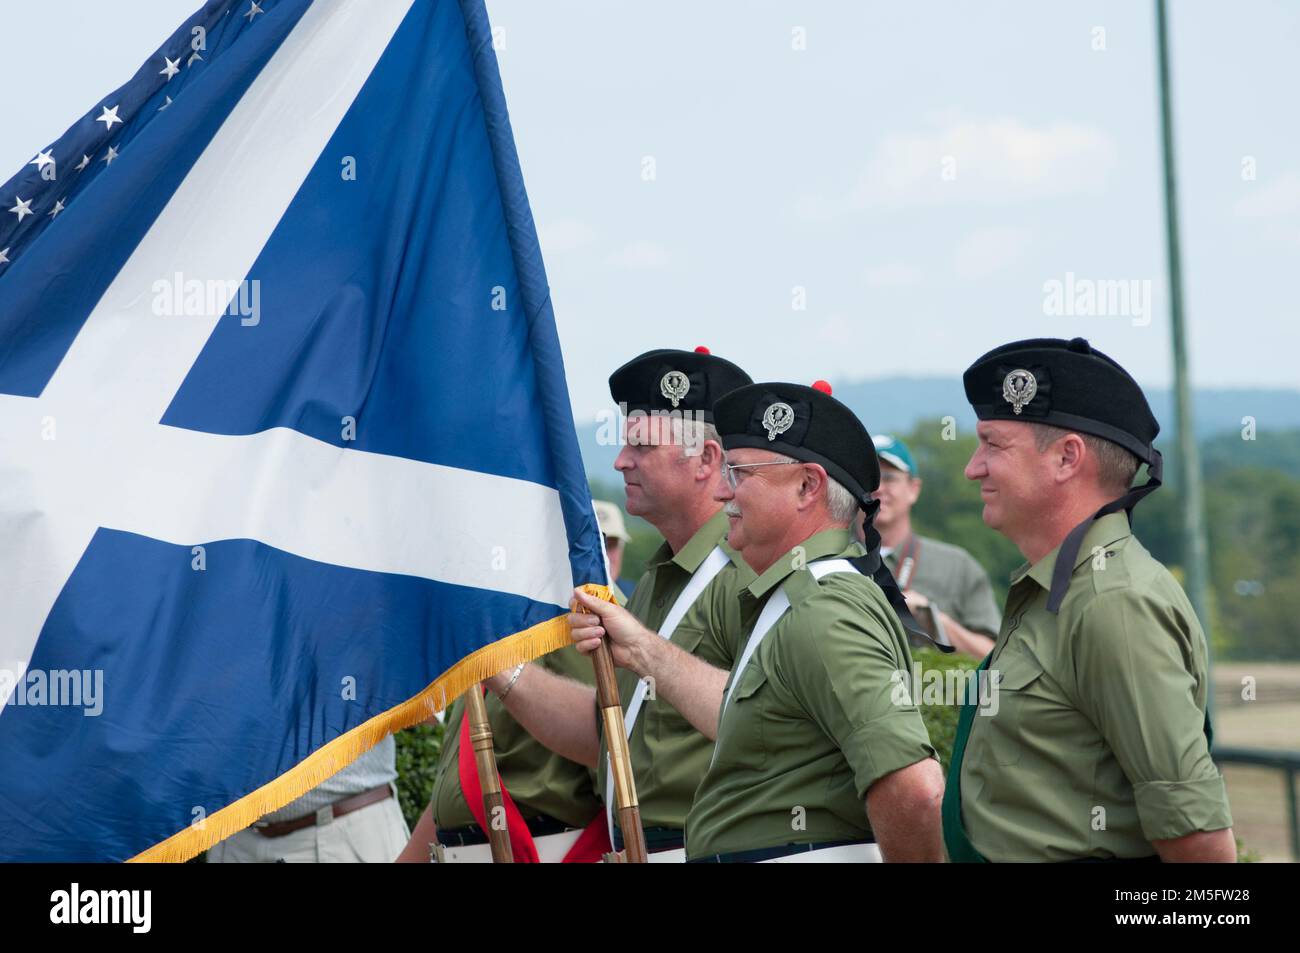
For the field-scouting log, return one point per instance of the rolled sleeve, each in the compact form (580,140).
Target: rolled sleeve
(886,745)
(1169,809)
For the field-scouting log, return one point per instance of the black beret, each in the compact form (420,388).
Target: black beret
(668,380)
(1066,384)
(806,423)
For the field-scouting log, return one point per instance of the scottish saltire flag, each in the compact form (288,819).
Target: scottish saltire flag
(286,454)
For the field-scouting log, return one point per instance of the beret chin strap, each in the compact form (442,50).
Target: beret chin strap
(1069,551)
(872,566)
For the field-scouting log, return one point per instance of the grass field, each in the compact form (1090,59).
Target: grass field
(1272,720)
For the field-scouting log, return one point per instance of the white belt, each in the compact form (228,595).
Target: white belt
(843,854)
(675,855)
(551,849)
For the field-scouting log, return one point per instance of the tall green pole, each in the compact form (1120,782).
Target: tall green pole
(1189,462)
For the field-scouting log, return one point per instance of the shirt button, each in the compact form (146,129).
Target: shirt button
(659,603)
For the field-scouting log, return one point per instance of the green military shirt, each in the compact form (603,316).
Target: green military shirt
(814,720)
(668,755)
(951,579)
(1093,744)
(539,781)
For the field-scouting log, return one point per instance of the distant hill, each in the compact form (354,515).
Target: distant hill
(897,403)
(1270,450)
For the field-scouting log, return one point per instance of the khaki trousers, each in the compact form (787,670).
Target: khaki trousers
(374,834)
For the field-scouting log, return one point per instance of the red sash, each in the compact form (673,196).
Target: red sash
(589,848)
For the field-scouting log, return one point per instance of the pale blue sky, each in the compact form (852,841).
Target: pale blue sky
(822,168)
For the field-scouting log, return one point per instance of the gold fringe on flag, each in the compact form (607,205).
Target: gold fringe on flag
(332,757)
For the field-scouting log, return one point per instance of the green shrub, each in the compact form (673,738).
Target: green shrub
(940,720)
(417,760)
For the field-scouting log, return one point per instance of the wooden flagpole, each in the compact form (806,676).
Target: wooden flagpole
(624,793)
(480,736)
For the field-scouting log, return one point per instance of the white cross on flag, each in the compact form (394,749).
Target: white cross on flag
(286,454)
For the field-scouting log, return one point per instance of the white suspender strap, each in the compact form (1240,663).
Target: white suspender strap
(703,575)
(772,611)
(713,564)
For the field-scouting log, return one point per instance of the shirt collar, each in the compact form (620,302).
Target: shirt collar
(829,542)
(698,547)
(1111,528)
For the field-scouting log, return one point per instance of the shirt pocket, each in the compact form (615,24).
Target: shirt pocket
(743,719)
(663,723)
(1015,693)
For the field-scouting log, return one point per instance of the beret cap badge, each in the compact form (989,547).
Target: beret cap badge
(674,385)
(1019,388)
(777,419)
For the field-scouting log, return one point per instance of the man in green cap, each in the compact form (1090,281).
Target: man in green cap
(1098,746)
(672,467)
(947,590)
(820,757)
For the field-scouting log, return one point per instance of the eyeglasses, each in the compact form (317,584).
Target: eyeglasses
(729,470)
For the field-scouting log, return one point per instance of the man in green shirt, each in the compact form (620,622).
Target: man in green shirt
(818,758)
(947,590)
(554,796)
(1098,745)
(671,467)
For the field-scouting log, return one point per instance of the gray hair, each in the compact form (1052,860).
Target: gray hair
(694,433)
(841,504)
(1116,467)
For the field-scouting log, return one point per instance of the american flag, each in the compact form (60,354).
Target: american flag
(65,169)
(287,459)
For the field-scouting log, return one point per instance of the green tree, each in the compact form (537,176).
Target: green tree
(1253,519)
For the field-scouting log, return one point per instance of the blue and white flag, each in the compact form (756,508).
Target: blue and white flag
(287,459)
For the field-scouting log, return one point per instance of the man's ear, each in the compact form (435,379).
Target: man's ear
(814,477)
(709,458)
(1070,453)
